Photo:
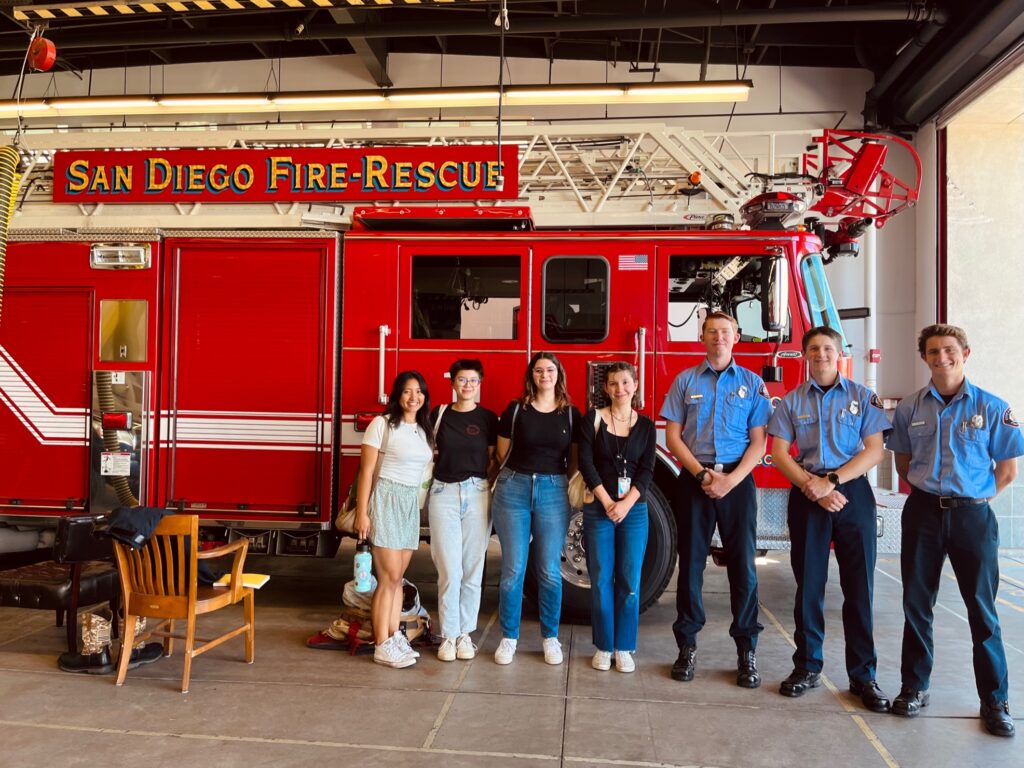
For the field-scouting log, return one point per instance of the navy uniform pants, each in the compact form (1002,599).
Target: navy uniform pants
(736,517)
(970,536)
(853,530)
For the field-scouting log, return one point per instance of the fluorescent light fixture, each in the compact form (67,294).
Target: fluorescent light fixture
(691,92)
(228,100)
(431,96)
(127,102)
(563,92)
(560,94)
(327,99)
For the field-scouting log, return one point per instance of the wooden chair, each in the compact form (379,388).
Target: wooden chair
(158,581)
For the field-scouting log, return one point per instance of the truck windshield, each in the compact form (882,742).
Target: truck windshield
(701,284)
(820,303)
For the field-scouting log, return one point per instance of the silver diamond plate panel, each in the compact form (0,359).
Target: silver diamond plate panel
(890,510)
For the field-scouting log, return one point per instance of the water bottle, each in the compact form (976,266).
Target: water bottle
(362,567)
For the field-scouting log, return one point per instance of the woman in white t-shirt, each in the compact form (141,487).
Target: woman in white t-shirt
(389,513)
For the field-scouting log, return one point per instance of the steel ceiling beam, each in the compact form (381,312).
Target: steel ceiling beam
(892,11)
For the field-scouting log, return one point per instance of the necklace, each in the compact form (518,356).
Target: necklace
(629,417)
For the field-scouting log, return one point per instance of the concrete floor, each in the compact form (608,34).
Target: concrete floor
(298,707)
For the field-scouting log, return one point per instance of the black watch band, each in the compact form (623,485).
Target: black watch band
(833,478)
(701,475)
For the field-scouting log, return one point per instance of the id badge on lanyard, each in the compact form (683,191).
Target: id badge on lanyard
(625,483)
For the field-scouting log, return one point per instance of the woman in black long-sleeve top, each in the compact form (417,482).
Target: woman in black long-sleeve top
(617,462)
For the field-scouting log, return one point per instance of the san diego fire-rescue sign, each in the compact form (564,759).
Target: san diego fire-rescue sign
(252,175)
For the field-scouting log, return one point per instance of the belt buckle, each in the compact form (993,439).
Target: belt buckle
(951,502)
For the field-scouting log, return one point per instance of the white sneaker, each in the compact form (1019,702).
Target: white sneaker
(506,651)
(447,650)
(464,648)
(624,661)
(390,654)
(602,661)
(403,643)
(552,651)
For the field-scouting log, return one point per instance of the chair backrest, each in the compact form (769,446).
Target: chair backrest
(159,578)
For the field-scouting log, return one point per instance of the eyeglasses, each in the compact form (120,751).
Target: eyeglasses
(462,381)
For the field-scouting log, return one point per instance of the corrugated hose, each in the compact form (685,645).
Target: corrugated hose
(10,180)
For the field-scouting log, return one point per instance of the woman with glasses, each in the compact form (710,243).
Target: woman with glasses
(458,507)
(537,445)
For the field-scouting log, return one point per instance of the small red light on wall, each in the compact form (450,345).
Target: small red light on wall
(42,53)
(874,355)
(363,420)
(121,420)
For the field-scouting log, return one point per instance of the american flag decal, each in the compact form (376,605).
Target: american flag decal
(629,262)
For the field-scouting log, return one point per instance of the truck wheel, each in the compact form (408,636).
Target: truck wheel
(659,561)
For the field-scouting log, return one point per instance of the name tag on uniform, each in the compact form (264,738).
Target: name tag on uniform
(917,423)
(696,397)
(625,484)
(804,416)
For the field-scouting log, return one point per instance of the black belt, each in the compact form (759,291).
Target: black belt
(725,466)
(952,502)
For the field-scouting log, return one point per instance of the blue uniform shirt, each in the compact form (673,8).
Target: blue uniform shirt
(952,447)
(828,427)
(717,411)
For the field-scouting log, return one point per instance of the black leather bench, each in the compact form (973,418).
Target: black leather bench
(80,573)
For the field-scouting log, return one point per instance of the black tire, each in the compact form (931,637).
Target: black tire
(659,562)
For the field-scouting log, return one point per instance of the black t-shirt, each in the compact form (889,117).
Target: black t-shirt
(462,442)
(542,440)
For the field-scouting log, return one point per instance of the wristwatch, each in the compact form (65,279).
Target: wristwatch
(833,478)
(701,475)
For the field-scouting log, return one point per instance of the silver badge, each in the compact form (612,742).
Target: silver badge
(854,407)
(742,391)
(977,421)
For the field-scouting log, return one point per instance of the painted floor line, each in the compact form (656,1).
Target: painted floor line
(857,718)
(947,609)
(450,699)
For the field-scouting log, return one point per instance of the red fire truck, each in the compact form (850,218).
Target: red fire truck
(230,373)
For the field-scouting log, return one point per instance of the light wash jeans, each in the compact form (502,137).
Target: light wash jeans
(526,504)
(460,525)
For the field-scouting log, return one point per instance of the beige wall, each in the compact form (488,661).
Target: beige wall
(985,214)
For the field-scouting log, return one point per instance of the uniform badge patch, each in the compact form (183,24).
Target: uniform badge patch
(877,402)
(854,407)
(977,421)
(763,391)
(1009,419)
(742,391)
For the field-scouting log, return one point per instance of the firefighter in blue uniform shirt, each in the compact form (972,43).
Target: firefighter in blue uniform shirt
(838,426)
(717,413)
(957,446)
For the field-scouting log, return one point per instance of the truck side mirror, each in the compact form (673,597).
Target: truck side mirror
(774,293)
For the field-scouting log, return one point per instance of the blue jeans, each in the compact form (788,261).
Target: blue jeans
(615,557)
(460,527)
(526,504)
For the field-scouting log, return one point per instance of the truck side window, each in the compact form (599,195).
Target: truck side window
(465,297)
(820,303)
(575,309)
(701,284)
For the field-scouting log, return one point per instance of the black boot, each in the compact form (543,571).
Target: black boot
(747,675)
(89,663)
(997,718)
(685,665)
